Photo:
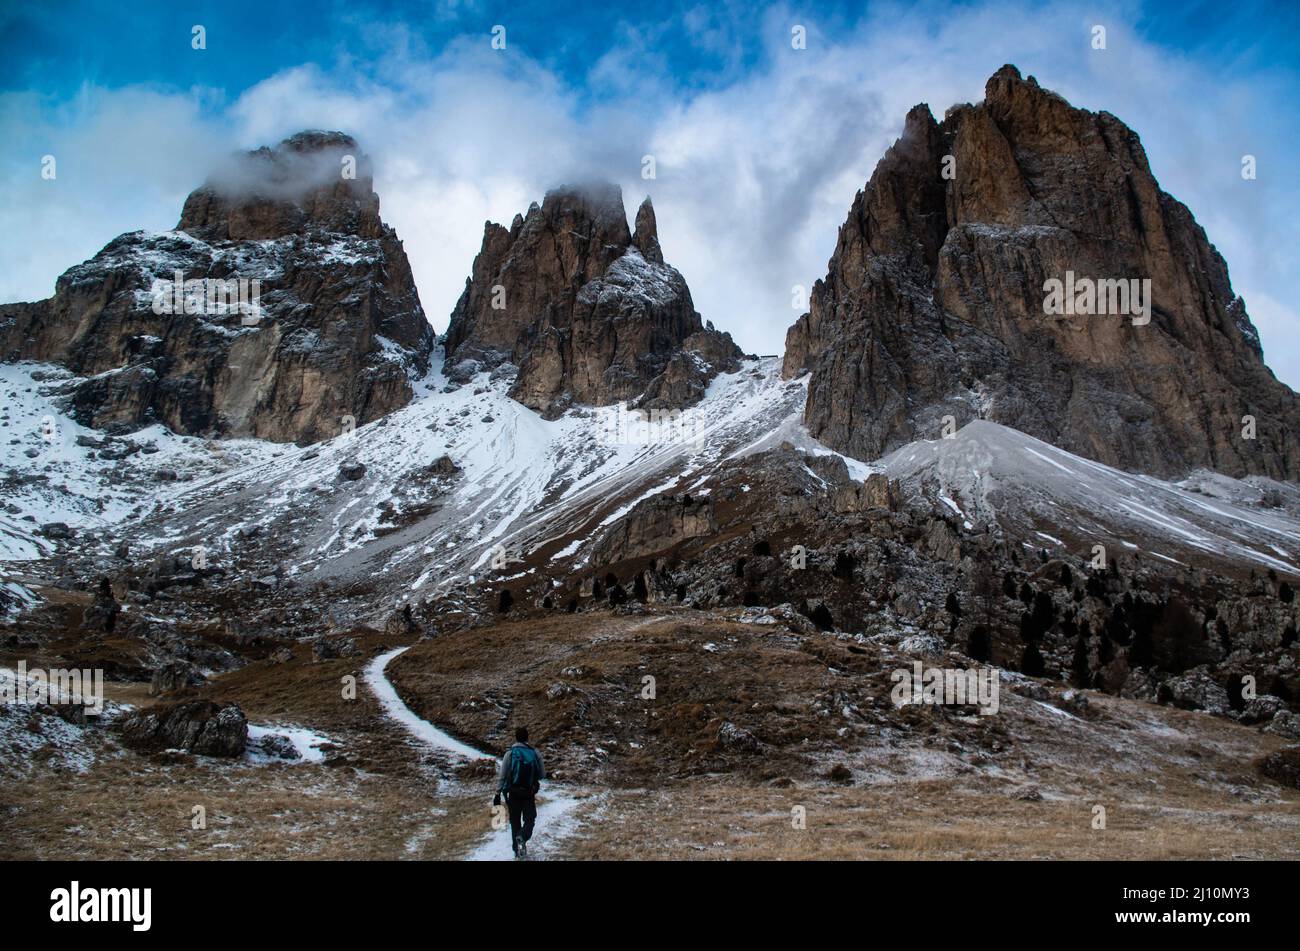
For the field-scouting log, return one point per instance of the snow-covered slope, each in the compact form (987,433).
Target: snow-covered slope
(459,476)
(986,471)
(56,470)
(465,480)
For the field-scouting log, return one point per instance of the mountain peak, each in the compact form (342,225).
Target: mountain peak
(313,180)
(1006,75)
(295,232)
(317,140)
(586,320)
(919,118)
(934,303)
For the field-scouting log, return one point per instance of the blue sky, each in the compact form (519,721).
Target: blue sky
(759,148)
(55,47)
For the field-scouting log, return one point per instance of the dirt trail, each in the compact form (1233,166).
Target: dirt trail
(557,819)
(557,807)
(397,710)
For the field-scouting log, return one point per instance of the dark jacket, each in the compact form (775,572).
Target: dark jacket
(503,777)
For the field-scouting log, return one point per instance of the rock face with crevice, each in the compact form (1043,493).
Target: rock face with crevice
(340,331)
(934,301)
(585,308)
(655,525)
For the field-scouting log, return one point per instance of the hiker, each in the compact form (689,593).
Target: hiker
(521,777)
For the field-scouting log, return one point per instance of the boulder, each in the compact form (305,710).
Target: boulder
(276,746)
(196,726)
(176,675)
(101,616)
(1285,723)
(1261,709)
(736,738)
(281,655)
(331,648)
(1282,766)
(1194,690)
(401,623)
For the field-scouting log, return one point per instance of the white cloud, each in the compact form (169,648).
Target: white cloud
(755,173)
(124,160)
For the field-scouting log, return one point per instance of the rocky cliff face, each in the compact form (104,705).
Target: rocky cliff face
(934,301)
(585,308)
(337,330)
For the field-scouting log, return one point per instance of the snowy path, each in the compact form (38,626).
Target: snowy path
(556,817)
(421,729)
(556,820)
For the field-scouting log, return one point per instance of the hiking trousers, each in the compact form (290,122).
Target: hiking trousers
(523,813)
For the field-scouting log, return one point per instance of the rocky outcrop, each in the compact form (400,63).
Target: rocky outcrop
(655,525)
(876,491)
(172,676)
(337,330)
(586,309)
(101,616)
(1194,690)
(196,726)
(934,301)
(1282,765)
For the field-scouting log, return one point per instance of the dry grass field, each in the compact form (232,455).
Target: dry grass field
(835,774)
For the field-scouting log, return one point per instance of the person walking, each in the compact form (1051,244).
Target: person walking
(520,777)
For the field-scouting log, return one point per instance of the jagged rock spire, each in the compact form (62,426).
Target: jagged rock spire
(559,296)
(646,237)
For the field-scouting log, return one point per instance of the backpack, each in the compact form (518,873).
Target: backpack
(525,768)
